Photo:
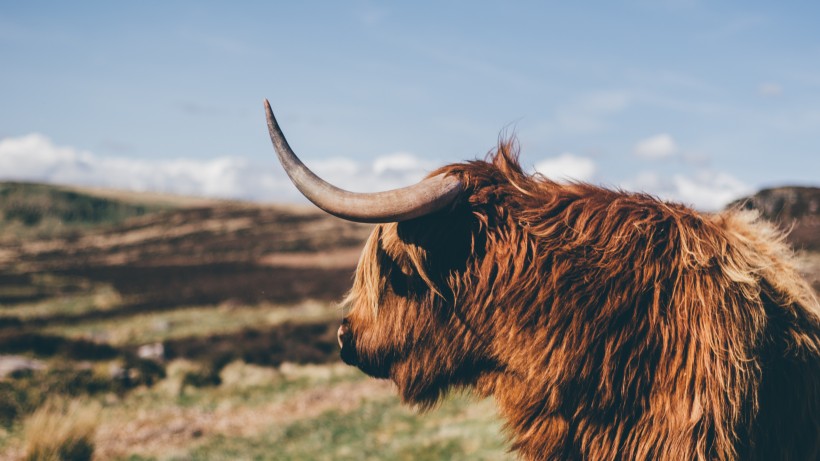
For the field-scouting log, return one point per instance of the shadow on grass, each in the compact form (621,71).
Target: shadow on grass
(288,342)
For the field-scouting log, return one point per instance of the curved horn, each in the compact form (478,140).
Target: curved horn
(431,194)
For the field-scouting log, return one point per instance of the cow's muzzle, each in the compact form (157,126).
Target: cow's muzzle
(346,343)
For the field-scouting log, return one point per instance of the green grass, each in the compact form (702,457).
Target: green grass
(42,211)
(376,427)
(101,297)
(461,428)
(311,412)
(304,412)
(293,412)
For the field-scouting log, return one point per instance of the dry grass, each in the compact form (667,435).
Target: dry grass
(337,259)
(164,423)
(158,198)
(61,430)
(97,297)
(191,277)
(292,412)
(199,321)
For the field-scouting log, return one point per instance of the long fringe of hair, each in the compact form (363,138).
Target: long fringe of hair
(627,327)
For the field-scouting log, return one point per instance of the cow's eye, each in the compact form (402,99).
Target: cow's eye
(399,283)
(405,284)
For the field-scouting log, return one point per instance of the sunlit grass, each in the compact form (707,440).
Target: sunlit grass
(328,412)
(294,412)
(462,428)
(196,321)
(61,431)
(46,211)
(101,297)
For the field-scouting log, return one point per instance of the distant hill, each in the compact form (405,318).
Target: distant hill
(29,210)
(795,209)
(168,250)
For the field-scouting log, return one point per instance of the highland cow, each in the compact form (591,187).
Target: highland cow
(607,325)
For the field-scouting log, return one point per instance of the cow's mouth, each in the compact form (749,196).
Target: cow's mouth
(350,356)
(346,344)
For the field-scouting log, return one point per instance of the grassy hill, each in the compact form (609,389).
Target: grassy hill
(29,210)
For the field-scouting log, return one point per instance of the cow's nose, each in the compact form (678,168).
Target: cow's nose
(343,335)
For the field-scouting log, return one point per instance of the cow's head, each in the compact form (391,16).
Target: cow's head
(406,314)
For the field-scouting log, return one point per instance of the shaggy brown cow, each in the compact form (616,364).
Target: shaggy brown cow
(607,325)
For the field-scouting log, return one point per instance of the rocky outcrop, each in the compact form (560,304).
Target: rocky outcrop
(795,209)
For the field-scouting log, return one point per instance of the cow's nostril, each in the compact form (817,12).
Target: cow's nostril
(343,335)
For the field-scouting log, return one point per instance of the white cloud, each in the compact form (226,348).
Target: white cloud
(705,190)
(567,166)
(400,163)
(657,147)
(35,158)
(335,166)
(383,173)
(709,190)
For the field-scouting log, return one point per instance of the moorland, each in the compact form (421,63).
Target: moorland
(153,327)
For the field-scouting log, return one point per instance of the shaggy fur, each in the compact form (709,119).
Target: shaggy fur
(607,325)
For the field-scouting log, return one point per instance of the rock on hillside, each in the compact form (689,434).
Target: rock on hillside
(795,209)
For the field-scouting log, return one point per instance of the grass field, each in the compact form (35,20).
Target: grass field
(321,412)
(151,328)
(146,328)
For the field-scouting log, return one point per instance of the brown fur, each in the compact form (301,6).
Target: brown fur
(607,325)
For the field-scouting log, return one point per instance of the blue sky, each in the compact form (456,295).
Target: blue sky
(693,101)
